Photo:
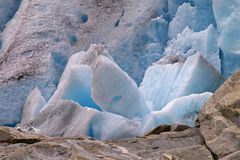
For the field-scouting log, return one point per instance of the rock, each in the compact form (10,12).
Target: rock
(220,118)
(61,149)
(10,135)
(64,149)
(197,152)
(160,129)
(179,128)
(187,145)
(168,128)
(232,156)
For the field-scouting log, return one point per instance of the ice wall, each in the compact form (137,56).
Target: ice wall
(96,98)
(227,17)
(197,15)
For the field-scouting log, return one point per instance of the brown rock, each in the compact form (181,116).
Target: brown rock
(197,152)
(11,135)
(220,118)
(168,128)
(15,144)
(233,156)
(187,145)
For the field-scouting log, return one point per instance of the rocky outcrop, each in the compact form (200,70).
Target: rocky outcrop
(220,119)
(233,156)
(168,128)
(11,135)
(15,144)
(187,145)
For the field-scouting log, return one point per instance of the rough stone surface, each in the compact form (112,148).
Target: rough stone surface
(186,145)
(11,135)
(220,118)
(232,156)
(168,128)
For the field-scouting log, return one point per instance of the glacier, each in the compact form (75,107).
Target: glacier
(227,18)
(34,103)
(189,42)
(78,86)
(158,79)
(67,118)
(96,98)
(183,110)
(76,81)
(197,15)
(196,76)
(145,42)
(94,80)
(7,11)
(163,82)
(115,91)
(160,55)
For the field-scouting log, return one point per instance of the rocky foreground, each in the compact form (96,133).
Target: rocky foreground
(216,136)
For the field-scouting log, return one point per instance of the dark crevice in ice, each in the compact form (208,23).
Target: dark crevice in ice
(221,56)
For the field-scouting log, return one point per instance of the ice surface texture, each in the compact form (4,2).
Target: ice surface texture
(189,42)
(115,91)
(163,83)
(69,119)
(183,110)
(34,52)
(227,17)
(102,101)
(94,80)
(34,103)
(7,11)
(197,15)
